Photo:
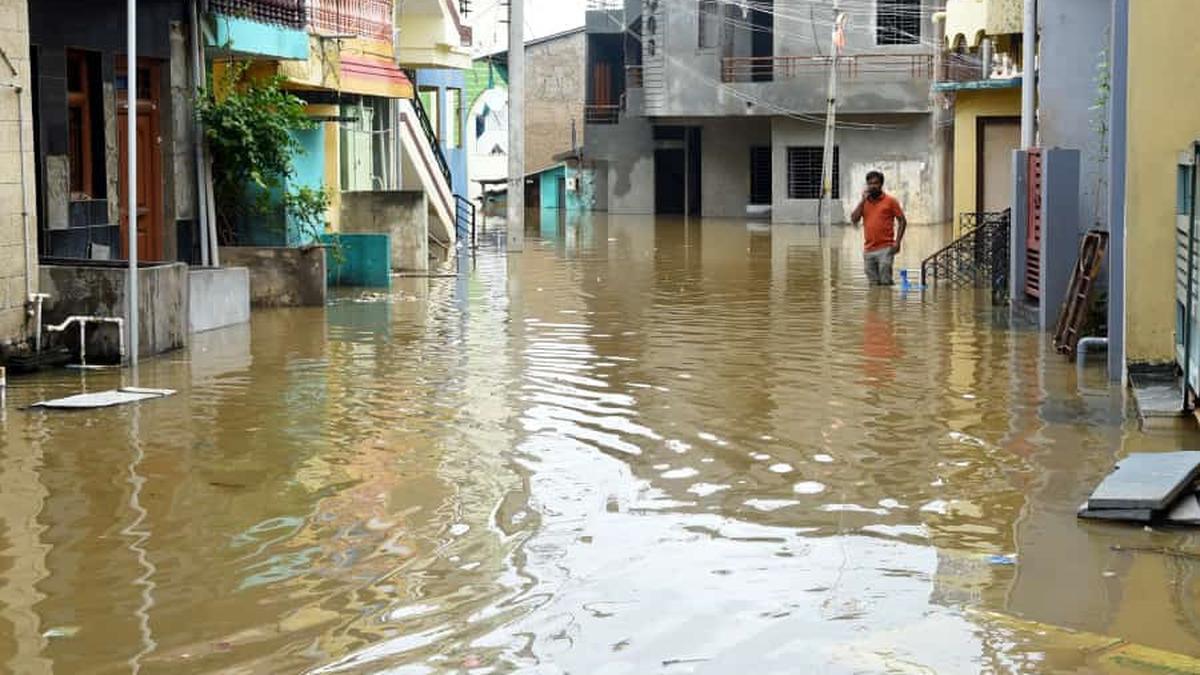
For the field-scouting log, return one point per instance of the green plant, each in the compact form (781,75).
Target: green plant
(250,124)
(1099,124)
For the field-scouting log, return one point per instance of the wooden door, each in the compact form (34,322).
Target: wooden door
(997,138)
(149,216)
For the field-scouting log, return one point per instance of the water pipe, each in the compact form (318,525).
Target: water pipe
(38,299)
(1081,349)
(16,87)
(83,321)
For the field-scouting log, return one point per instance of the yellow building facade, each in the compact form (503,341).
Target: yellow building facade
(1162,120)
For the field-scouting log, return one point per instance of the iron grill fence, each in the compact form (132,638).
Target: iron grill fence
(369,19)
(287,13)
(979,258)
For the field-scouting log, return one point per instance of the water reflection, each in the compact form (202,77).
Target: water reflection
(640,446)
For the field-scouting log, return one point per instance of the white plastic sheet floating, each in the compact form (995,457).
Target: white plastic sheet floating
(105,399)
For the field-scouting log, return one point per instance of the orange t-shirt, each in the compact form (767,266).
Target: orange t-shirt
(879,222)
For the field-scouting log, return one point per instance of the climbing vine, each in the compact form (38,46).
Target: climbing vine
(1099,124)
(250,124)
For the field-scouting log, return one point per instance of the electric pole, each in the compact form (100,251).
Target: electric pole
(516,126)
(835,49)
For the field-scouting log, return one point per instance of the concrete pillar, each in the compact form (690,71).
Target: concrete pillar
(1060,230)
(1019,228)
(1119,58)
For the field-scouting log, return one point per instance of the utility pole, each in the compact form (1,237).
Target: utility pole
(1029,75)
(516,126)
(835,49)
(131,182)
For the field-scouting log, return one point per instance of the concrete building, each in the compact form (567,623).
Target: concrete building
(725,102)
(554,112)
(18,221)
(1155,87)
(980,79)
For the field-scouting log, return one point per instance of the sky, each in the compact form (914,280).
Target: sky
(542,17)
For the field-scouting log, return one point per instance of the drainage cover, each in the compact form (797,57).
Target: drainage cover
(104,399)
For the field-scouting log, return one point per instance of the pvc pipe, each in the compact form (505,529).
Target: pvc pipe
(1081,349)
(202,205)
(83,321)
(38,299)
(131,69)
(1029,75)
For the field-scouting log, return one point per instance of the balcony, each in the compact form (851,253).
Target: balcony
(964,71)
(886,67)
(968,21)
(286,13)
(274,29)
(365,19)
(433,34)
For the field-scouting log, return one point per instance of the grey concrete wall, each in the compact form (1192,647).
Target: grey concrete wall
(626,152)
(218,298)
(685,80)
(402,214)
(1074,36)
(18,240)
(1060,240)
(101,291)
(281,277)
(899,147)
(555,75)
(725,164)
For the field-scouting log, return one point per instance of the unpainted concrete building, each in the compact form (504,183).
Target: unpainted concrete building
(18,241)
(721,106)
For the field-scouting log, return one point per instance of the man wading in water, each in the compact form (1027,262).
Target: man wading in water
(881,214)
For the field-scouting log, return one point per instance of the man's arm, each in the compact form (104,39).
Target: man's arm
(901,226)
(856,214)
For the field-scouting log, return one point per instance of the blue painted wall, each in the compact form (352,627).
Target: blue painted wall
(310,172)
(245,36)
(274,228)
(577,200)
(444,79)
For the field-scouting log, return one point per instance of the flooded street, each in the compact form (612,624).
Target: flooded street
(637,447)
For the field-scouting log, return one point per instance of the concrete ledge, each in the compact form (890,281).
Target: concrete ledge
(403,215)
(84,290)
(218,298)
(281,276)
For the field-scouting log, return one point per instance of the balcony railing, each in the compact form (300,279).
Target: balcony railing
(287,13)
(864,66)
(963,67)
(601,114)
(634,77)
(604,5)
(368,19)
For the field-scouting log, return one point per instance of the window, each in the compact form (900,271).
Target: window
(897,22)
(85,149)
(804,172)
(429,101)
(1183,190)
(709,26)
(454,118)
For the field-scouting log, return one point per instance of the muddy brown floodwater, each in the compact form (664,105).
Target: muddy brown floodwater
(638,447)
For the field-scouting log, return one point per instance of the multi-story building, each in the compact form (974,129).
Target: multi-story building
(980,78)
(18,252)
(725,102)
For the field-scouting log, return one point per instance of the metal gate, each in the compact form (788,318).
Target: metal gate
(1187,275)
(1033,233)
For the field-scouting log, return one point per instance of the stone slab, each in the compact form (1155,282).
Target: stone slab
(104,399)
(1146,481)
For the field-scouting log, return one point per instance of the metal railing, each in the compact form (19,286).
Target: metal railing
(634,77)
(369,19)
(602,114)
(464,220)
(287,13)
(435,146)
(767,68)
(604,5)
(979,258)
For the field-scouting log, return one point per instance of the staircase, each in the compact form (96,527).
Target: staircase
(426,169)
(979,258)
